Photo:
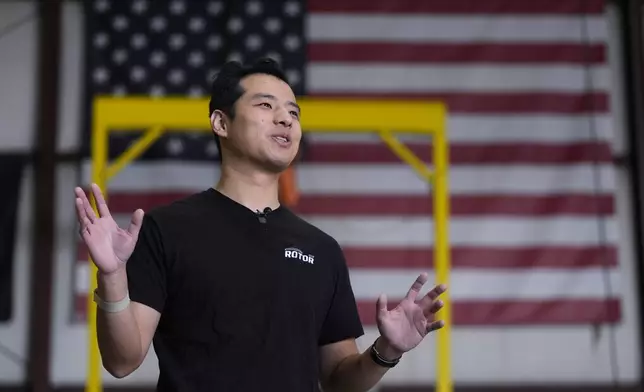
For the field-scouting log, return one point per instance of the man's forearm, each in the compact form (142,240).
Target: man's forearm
(119,338)
(359,372)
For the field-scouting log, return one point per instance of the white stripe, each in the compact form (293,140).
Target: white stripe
(487,231)
(377,179)
(493,231)
(347,77)
(495,129)
(467,284)
(400,179)
(480,285)
(419,28)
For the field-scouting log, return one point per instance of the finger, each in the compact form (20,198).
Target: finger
(135,223)
(101,205)
(80,211)
(80,193)
(85,228)
(433,308)
(431,296)
(89,212)
(381,304)
(417,286)
(435,326)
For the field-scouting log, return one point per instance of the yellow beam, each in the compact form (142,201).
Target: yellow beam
(406,155)
(134,151)
(99,149)
(442,263)
(325,115)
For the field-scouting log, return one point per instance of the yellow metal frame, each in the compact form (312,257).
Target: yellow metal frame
(111,115)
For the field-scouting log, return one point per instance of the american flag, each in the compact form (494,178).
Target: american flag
(533,233)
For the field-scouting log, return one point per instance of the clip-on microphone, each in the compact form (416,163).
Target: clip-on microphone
(261,216)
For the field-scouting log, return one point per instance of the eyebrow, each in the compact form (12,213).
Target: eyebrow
(270,96)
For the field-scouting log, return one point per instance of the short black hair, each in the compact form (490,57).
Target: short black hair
(226,89)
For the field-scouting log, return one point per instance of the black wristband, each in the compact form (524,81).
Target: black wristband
(379,360)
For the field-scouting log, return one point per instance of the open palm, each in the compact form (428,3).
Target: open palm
(109,245)
(405,326)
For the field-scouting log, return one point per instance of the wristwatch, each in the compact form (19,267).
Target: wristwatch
(378,359)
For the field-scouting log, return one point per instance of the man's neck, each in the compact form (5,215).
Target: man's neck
(249,187)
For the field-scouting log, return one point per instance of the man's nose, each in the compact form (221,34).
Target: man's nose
(283,117)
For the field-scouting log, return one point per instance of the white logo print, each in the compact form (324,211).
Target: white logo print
(294,253)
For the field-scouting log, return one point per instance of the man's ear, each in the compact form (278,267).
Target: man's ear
(218,123)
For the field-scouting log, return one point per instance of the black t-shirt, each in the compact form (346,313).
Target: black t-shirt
(244,305)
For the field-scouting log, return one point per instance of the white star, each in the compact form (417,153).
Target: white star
(254,42)
(292,42)
(210,75)
(235,25)
(157,91)
(177,7)
(196,59)
(253,8)
(139,6)
(272,25)
(211,149)
(101,75)
(215,7)
(102,5)
(214,42)
(120,23)
(177,41)
(119,90)
(291,8)
(175,146)
(158,23)
(176,76)
(195,92)
(293,76)
(235,56)
(157,58)
(137,74)
(101,40)
(196,24)
(119,56)
(138,41)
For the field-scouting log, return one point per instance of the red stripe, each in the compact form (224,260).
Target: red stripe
(564,7)
(571,204)
(465,257)
(459,205)
(463,153)
(468,313)
(384,52)
(484,258)
(561,311)
(496,103)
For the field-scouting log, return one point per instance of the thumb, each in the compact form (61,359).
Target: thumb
(381,304)
(135,223)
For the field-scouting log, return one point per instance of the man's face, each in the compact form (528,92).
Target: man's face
(266,129)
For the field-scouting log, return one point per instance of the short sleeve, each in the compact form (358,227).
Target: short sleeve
(147,267)
(342,320)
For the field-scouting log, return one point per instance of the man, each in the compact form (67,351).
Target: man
(238,293)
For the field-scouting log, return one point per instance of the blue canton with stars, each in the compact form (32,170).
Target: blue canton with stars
(174,48)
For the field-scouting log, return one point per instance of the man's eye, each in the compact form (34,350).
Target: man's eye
(268,105)
(296,114)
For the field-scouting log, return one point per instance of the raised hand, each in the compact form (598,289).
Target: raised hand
(109,245)
(405,326)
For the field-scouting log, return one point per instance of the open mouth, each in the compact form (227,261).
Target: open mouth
(282,139)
